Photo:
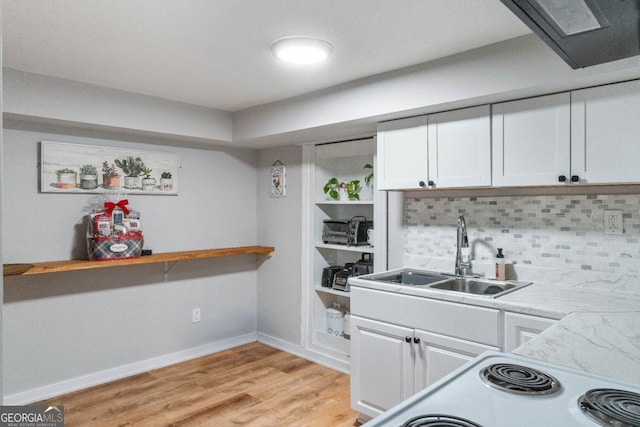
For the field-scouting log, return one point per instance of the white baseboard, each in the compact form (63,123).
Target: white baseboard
(319,358)
(101,377)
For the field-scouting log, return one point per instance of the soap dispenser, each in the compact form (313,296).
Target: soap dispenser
(500,274)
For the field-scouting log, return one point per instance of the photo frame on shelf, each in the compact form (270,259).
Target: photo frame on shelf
(77,168)
(278,184)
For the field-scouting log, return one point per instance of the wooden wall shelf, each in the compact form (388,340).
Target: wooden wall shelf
(60,266)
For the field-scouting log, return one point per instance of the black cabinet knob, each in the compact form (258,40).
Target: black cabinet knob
(562,178)
(407,339)
(575,178)
(416,340)
(432,184)
(422,184)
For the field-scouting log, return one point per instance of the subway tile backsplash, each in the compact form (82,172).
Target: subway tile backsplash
(559,232)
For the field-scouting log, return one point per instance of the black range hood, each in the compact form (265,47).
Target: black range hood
(583,32)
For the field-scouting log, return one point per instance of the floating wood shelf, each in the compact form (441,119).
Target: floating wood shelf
(60,266)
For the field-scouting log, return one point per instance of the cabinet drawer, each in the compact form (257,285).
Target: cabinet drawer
(463,321)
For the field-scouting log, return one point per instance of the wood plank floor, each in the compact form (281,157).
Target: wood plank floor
(251,385)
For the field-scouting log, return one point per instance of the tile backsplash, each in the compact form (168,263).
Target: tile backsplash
(563,232)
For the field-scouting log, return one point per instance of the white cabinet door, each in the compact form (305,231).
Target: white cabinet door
(520,328)
(605,133)
(532,141)
(439,355)
(460,148)
(381,365)
(402,154)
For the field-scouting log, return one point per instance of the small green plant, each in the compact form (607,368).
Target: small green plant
(369,178)
(88,170)
(65,170)
(166,175)
(351,187)
(130,166)
(145,171)
(109,171)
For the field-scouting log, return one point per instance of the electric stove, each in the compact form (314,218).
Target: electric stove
(500,390)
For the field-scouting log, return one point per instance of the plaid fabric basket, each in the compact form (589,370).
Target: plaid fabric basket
(107,248)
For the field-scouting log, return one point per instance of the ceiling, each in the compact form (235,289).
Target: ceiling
(216,53)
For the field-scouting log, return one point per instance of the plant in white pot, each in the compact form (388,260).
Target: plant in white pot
(342,190)
(166,181)
(88,177)
(131,167)
(148,182)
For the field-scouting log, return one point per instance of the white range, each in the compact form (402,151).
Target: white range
(505,390)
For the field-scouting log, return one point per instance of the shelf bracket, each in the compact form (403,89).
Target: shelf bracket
(168,266)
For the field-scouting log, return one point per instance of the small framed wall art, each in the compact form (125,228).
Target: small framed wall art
(77,168)
(278,187)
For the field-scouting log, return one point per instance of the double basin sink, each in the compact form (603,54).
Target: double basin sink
(448,282)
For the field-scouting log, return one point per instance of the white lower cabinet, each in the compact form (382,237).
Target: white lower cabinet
(520,328)
(439,355)
(392,362)
(382,365)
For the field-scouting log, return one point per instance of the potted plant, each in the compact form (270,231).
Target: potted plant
(131,169)
(110,176)
(66,178)
(88,177)
(166,181)
(369,178)
(148,182)
(342,190)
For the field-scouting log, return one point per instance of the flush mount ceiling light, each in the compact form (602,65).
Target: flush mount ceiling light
(301,50)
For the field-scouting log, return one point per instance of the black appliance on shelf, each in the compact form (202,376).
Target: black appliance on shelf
(328,273)
(351,232)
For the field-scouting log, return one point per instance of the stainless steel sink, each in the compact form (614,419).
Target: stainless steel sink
(448,282)
(477,287)
(410,277)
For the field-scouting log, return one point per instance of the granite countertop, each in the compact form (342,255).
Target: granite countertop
(598,331)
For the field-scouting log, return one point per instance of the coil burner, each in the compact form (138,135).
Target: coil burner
(611,407)
(519,379)
(438,420)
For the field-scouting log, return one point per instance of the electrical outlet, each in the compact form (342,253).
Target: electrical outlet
(613,221)
(195,315)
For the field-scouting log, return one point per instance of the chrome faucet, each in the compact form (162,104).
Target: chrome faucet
(463,267)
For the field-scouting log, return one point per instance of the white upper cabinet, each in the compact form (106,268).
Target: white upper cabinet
(532,141)
(402,154)
(444,150)
(605,134)
(460,148)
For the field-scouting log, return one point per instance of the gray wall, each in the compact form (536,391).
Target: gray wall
(279,224)
(66,329)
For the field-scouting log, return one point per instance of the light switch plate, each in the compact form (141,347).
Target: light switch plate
(613,221)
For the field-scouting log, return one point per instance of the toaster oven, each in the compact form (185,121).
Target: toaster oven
(351,232)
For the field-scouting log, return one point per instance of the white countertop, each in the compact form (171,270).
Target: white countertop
(598,331)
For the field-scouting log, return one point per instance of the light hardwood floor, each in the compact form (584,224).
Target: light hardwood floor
(252,385)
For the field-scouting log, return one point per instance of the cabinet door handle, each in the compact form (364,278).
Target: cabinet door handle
(407,339)
(416,340)
(422,184)
(431,184)
(562,178)
(575,178)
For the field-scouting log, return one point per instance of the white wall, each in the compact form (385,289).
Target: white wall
(515,68)
(279,224)
(54,100)
(1,227)
(67,330)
